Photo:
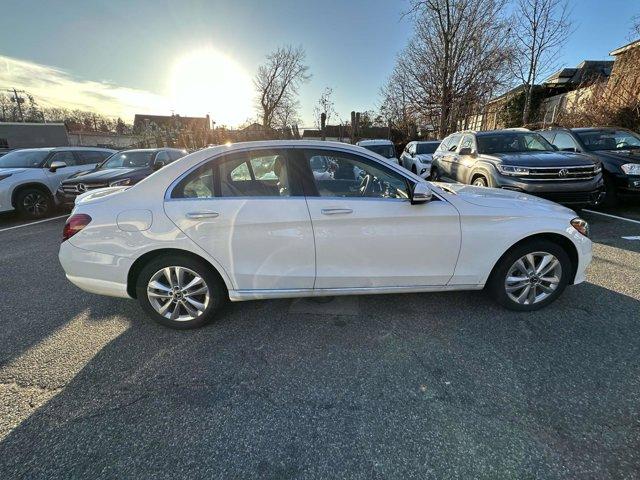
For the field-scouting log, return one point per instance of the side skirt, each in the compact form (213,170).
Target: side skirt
(241,295)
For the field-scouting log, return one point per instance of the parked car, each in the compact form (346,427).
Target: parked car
(417,157)
(253,221)
(522,161)
(29,177)
(617,149)
(384,148)
(123,168)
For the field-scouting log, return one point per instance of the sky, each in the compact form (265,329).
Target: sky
(197,57)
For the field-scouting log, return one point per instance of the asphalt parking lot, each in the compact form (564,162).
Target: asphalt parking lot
(396,386)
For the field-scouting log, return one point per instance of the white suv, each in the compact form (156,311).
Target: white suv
(417,157)
(30,177)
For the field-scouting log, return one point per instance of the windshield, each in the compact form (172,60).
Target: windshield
(387,151)
(23,159)
(512,142)
(426,148)
(608,140)
(130,159)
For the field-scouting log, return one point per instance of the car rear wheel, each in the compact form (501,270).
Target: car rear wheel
(180,292)
(530,276)
(34,203)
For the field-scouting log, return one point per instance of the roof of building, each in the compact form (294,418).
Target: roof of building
(624,48)
(588,70)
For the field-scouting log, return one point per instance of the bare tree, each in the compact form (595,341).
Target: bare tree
(277,82)
(541,28)
(635,28)
(325,105)
(456,59)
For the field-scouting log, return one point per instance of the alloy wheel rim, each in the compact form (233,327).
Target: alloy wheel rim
(533,278)
(178,293)
(35,203)
(479,183)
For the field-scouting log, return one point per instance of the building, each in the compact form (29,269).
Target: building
(170,123)
(32,135)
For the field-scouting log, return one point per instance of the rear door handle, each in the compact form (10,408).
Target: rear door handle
(336,211)
(203,214)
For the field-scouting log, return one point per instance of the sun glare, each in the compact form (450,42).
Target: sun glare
(206,81)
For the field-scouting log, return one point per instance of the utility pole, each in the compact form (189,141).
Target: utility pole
(19,101)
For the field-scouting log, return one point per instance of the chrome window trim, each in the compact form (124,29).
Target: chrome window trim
(392,166)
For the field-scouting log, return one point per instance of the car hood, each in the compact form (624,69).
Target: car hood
(424,157)
(623,156)
(543,159)
(100,175)
(501,198)
(13,171)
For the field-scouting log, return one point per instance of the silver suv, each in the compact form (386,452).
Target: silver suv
(30,177)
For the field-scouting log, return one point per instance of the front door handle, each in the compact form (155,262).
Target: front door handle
(202,215)
(336,211)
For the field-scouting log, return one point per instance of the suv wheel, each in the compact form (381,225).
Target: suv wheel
(480,181)
(180,292)
(530,276)
(34,203)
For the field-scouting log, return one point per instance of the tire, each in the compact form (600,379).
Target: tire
(611,193)
(480,181)
(497,284)
(414,169)
(434,174)
(152,300)
(34,202)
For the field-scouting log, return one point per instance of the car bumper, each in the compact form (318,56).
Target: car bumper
(628,185)
(95,272)
(5,200)
(67,199)
(589,192)
(584,248)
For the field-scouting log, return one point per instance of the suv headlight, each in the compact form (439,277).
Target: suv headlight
(513,170)
(120,183)
(581,225)
(628,168)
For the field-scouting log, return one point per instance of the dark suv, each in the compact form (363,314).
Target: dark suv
(521,160)
(617,149)
(123,168)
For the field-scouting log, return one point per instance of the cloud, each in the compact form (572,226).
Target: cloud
(54,87)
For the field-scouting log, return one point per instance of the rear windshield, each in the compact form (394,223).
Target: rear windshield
(23,159)
(512,142)
(426,148)
(609,140)
(387,151)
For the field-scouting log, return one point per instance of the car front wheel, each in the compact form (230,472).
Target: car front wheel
(180,292)
(530,276)
(34,203)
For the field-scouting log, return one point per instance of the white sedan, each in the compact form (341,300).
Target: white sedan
(260,220)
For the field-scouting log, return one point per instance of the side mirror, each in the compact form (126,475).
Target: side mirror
(56,165)
(466,151)
(421,193)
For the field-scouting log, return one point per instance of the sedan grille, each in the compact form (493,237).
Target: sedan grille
(78,188)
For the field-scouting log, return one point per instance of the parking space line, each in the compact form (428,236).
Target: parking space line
(32,223)
(612,216)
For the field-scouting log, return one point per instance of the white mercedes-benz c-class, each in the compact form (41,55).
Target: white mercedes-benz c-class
(280,219)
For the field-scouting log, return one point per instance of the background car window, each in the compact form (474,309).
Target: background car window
(176,154)
(348,175)
(129,159)
(610,140)
(88,157)
(426,148)
(255,173)
(564,141)
(66,157)
(453,142)
(467,142)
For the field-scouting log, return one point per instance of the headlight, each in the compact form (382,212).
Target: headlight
(581,225)
(119,183)
(513,170)
(628,168)
(7,175)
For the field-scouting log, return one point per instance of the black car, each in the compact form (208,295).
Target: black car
(617,149)
(521,160)
(123,168)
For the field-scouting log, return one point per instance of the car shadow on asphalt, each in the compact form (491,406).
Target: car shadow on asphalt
(395,385)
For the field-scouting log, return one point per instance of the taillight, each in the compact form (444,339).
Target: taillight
(74,224)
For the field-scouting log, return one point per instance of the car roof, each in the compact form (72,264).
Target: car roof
(374,141)
(428,141)
(57,149)
(596,129)
(504,130)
